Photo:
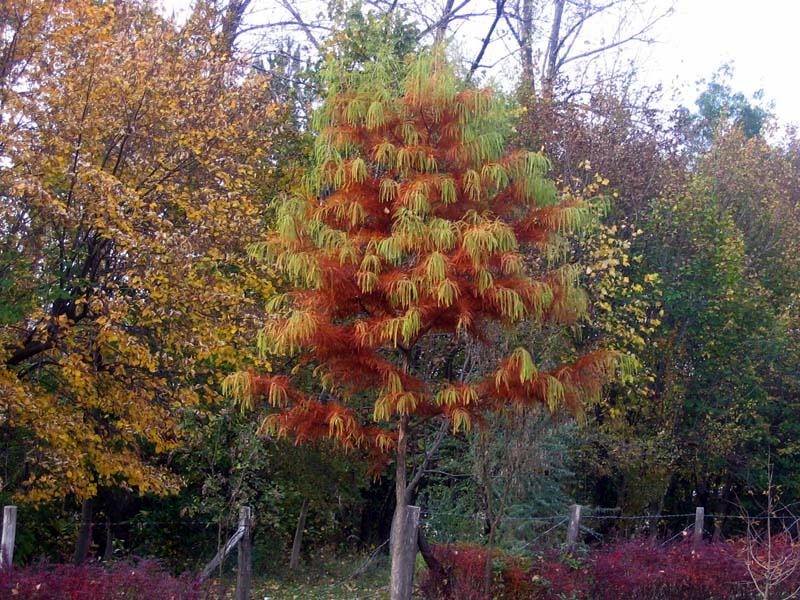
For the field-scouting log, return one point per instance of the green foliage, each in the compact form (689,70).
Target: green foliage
(365,37)
(226,464)
(426,274)
(718,103)
(525,457)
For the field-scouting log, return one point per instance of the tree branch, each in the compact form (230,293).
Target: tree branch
(288,5)
(499,6)
(420,470)
(631,38)
(446,18)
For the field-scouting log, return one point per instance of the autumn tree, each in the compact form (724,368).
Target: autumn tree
(405,249)
(718,355)
(132,156)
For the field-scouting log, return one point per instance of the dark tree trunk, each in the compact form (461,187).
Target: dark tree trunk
(723,509)
(84,533)
(440,575)
(108,553)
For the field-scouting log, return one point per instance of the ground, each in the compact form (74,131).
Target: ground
(327,580)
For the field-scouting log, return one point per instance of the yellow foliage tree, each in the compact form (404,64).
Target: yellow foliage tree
(131,151)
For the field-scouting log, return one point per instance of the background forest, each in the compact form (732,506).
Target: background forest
(160,178)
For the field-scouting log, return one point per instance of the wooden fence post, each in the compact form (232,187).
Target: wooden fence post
(405,583)
(297,543)
(697,538)
(244,573)
(574,525)
(7,540)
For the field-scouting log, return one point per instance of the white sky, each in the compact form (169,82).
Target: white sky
(759,39)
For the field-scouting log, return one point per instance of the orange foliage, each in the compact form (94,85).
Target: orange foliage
(416,227)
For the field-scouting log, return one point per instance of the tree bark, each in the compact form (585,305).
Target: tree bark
(231,22)
(551,66)
(244,570)
(84,533)
(427,553)
(400,566)
(526,39)
(297,543)
(441,27)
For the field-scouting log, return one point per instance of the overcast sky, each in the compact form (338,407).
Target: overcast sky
(760,39)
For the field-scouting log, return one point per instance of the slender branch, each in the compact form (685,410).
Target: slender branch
(511,28)
(631,38)
(446,18)
(365,565)
(499,6)
(300,24)
(432,450)
(288,5)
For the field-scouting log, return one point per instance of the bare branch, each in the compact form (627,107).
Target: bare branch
(283,24)
(442,23)
(288,5)
(499,6)
(631,38)
(432,450)
(511,28)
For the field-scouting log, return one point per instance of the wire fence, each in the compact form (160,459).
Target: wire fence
(592,525)
(189,543)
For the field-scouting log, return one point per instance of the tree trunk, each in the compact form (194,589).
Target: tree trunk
(653,533)
(489,526)
(294,561)
(553,47)
(427,553)
(84,533)
(526,38)
(723,509)
(108,553)
(401,569)
(441,27)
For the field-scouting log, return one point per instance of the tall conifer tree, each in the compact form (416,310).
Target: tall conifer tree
(416,225)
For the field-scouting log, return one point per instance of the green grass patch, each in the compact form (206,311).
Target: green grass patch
(327,579)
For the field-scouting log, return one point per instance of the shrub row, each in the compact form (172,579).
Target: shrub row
(138,580)
(635,570)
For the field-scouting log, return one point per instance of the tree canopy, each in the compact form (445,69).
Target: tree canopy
(132,154)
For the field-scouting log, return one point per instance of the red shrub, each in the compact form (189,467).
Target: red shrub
(640,570)
(464,567)
(633,570)
(778,562)
(141,580)
(561,577)
(512,577)
(464,576)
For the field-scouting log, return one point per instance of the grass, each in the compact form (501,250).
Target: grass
(327,579)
